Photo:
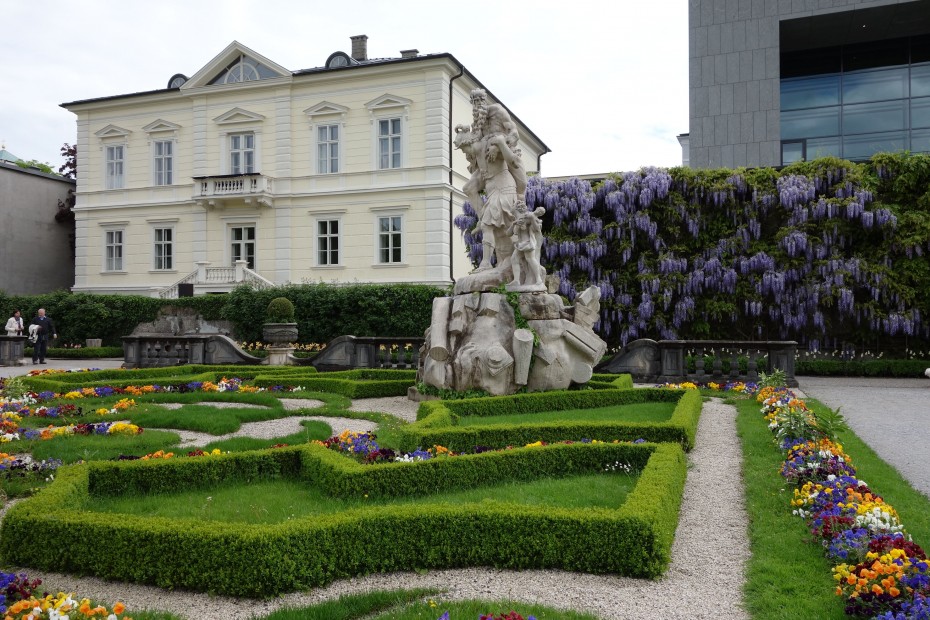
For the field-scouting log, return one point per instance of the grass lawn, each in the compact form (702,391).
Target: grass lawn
(74,448)
(642,412)
(276,501)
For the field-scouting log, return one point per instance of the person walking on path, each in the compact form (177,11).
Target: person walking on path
(44,328)
(14,327)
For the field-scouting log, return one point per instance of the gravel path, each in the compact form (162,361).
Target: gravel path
(711,533)
(883,411)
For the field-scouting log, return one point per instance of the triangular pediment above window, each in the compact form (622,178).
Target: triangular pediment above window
(235,64)
(112,131)
(325,108)
(238,115)
(388,101)
(160,125)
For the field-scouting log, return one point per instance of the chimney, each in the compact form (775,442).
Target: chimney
(360,47)
(409,53)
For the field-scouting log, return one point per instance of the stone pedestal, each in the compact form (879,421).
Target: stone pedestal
(11,350)
(280,356)
(474,342)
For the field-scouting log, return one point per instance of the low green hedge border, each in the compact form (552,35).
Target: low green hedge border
(78,354)
(117,377)
(862,368)
(361,383)
(263,560)
(437,421)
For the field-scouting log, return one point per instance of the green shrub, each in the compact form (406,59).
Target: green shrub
(862,368)
(233,559)
(437,421)
(280,310)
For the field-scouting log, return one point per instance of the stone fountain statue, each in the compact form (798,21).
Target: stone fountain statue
(474,341)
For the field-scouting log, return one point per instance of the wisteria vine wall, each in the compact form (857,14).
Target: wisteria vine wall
(829,252)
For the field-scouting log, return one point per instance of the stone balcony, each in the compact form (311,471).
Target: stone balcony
(226,190)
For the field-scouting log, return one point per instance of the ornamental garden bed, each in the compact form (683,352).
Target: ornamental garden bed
(372,523)
(595,505)
(553,416)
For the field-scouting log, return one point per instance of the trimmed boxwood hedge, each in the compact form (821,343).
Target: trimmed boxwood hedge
(264,560)
(361,383)
(437,421)
(117,377)
(862,368)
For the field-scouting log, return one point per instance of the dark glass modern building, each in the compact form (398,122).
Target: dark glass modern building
(772,83)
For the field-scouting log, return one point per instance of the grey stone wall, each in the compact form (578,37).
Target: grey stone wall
(35,251)
(734,93)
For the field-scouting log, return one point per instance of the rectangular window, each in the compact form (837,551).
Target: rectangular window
(114,167)
(242,245)
(242,153)
(164,249)
(327,242)
(874,117)
(875,85)
(810,123)
(390,237)
(164,162)
(920,112)
(328,149)
(114,250)
(389,143)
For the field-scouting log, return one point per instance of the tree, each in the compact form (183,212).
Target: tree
(69,168)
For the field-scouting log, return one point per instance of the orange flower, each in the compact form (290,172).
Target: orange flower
(877,589)
(85,609)
(119,608)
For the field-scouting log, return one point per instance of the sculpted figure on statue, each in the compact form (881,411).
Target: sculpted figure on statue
(496,167)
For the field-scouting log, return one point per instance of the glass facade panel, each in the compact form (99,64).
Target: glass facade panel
(792,152)
(872,117)
(823,147)
(920,81)
(810,92)
(920,112)
(875,85)
(810,123)
(920,141)
(865,145)
(856,100)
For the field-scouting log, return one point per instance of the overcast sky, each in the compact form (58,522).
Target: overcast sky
(604,83)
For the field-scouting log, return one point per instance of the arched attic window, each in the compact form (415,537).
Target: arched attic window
(244,69)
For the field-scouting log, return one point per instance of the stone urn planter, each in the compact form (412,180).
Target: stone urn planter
(279,331)
(279,334)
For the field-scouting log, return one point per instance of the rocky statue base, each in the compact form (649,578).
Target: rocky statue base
(473,342)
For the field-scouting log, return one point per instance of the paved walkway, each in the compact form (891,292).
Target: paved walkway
(891,415)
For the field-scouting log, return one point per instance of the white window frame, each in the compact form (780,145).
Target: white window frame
(169,244)
(242,151)
(114,250)
(324,162)
(114,180)
(318,237)
(167,171)
(390,137)
(231,259)
(390,215)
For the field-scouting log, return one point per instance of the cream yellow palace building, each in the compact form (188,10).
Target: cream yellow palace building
(247,171)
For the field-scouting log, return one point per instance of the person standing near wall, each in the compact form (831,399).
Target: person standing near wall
(14,327)
(44,328)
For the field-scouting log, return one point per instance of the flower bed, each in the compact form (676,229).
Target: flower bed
(880,571)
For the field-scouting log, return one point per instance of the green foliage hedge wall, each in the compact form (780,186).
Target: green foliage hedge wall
(323,311)
(826,252)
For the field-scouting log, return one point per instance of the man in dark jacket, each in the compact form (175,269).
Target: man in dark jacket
(45,328)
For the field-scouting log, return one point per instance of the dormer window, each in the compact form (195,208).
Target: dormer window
(244,69)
